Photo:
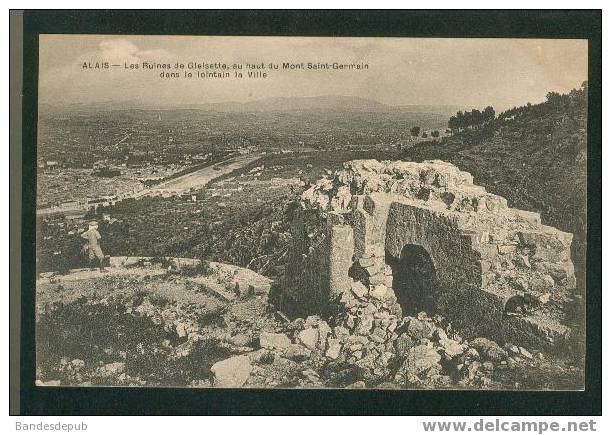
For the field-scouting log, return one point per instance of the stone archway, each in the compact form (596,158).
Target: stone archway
(484,261)
(415,281)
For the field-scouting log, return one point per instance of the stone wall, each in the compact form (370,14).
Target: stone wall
(497,268)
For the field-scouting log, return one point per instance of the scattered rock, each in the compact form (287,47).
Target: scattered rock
(450,347)
(420,360)
(357,384)
(297,353)
(270,340)
(525,353)
(297,324)
(379,291)
(232,372)
(334,349)
(77,363)
(181,330)
(112,369)
(512,348)
(323,332)
(403,343)
(418,329)
(309,338)
(340,332)
(489,349)
(359,289)
(544,299)
(440,334)
(364,325)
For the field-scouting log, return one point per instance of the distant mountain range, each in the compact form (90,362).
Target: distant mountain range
(292,104)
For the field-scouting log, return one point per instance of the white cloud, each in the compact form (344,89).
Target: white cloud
(123,50)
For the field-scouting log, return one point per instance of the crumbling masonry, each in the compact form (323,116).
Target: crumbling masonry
(422,236)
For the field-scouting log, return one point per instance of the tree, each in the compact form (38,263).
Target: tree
(460,120)
(475,118)
(557,100)
(435,133)
(488,114)
(415,131)
(472,119)
(453,124)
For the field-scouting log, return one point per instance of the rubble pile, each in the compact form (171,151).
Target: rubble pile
(368,344)
(137,339)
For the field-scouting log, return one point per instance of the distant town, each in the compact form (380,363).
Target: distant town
(92,158)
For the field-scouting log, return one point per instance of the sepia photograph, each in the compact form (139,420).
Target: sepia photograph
(263,212)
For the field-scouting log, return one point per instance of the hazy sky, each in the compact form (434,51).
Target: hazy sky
(464,72)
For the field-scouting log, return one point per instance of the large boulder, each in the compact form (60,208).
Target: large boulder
(232,372)
(297,353)
(308,338)
(334,350)
(270,340)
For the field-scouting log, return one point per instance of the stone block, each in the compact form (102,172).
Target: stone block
(270,340)
(232,372)
(334,349)
(528,216)
(378,278)
(308,338)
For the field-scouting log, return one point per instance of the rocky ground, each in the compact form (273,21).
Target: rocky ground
(167,330)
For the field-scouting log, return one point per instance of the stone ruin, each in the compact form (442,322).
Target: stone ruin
(423,237)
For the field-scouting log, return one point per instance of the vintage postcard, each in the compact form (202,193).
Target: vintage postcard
(311,212)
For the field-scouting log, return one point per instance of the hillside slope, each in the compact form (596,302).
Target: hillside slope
(535,156)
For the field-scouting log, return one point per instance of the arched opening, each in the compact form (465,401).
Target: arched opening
(415,280)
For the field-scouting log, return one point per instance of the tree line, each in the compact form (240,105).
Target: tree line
(472,119)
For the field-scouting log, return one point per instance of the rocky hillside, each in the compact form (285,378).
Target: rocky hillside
(148,327)
(535,156)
